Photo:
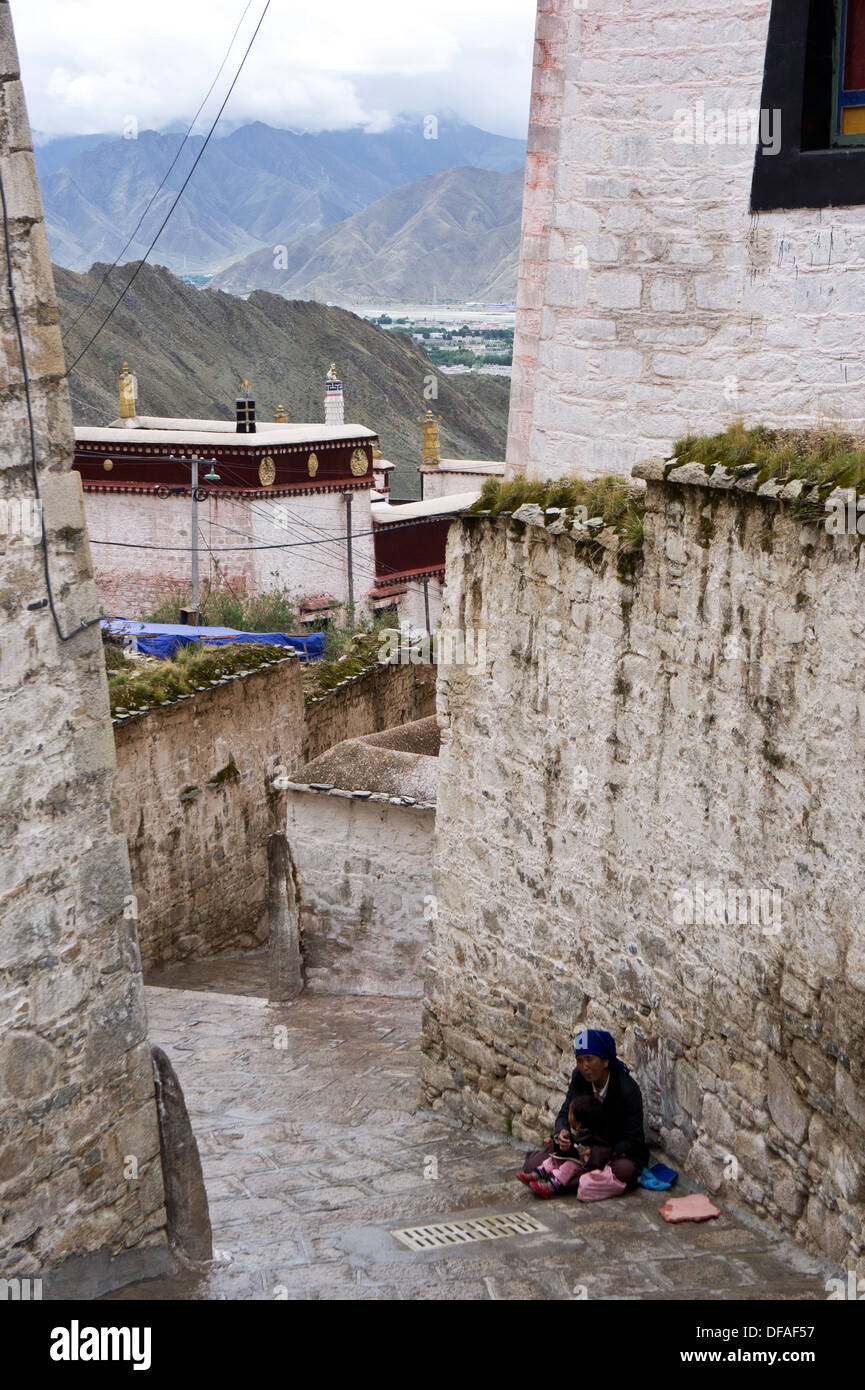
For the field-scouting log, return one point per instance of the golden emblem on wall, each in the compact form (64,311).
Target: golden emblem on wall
(108,465)
(359,463)
(266,471)
(312,465)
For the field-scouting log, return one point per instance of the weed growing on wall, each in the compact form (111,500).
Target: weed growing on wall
(136,683)
(612,499)
(821,459)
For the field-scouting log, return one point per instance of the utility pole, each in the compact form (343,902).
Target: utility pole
(198,494)
(348,543)
(195,540)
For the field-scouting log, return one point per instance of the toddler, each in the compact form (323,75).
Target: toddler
(565,1168)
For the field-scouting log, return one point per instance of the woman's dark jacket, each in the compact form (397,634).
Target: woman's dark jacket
(618,1118)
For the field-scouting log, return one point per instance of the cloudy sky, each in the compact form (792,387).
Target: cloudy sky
(91,65)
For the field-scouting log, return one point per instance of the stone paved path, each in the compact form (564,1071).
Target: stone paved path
(313,1151)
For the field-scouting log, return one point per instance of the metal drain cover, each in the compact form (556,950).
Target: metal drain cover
(477,1228)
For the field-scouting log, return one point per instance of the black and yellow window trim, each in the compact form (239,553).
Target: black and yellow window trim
(848,104)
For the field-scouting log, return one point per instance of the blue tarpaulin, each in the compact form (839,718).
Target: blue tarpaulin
(164,639)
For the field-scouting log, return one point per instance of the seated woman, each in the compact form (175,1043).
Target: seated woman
(618,1114)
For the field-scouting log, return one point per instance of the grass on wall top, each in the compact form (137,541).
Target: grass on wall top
(135,684)
(612,499)
(821,459)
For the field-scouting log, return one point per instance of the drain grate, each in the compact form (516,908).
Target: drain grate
(461,1232)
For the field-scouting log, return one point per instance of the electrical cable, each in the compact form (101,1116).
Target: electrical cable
(308,525)
(228,471)
(377,573)
(139,267)
(304,522)
(34,463)
(181,147)
(222,549)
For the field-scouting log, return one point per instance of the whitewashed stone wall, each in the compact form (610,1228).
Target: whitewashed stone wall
(196,803)
(650,300)
(454,476)
(412,607)
(131,580)
(81,1182)
(364,878)
(649,723)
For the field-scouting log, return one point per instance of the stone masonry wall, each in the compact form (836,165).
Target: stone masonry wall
(545,112)
(379,698)
(197,805)
(77,1099)
(653,729)
(650,299)
(364,879)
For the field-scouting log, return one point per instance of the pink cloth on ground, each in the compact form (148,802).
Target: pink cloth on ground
(562,1169)
(695,1207)
(599,1184)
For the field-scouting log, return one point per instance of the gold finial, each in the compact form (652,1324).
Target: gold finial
(280,418)
(331,376)
(431,445)
(126,386)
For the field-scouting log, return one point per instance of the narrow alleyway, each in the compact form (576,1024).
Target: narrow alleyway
(314,1152)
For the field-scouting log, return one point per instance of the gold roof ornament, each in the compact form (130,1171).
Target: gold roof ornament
(127,387)
(432,454)
(280,418)
(332,376)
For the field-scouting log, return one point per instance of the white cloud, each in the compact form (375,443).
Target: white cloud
(89,65)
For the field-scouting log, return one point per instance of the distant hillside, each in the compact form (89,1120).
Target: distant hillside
(254,188)
(455,233)
(191,348)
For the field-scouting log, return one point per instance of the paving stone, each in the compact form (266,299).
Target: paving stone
(307,1210)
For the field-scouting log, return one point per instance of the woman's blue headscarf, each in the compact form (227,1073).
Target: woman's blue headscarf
(598,1043)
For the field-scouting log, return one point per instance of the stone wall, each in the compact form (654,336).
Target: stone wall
(654,728)
(81,1182)
(130,585)
(364,878)
(650,299)
(545,114)
(197,805)
(379,698)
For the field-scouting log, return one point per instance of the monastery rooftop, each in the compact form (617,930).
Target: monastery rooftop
(150,429)
(400,763)
(435,506)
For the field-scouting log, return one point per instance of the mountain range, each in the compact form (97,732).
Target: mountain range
(255,188)
(191,348)
(455,233)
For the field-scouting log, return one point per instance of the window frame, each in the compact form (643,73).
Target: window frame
(854,98)
(829,176)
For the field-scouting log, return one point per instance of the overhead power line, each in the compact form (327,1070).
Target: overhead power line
(131,281)
(289,545)
(218,550)
(181,147)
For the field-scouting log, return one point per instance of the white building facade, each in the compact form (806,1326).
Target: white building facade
(693,235)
